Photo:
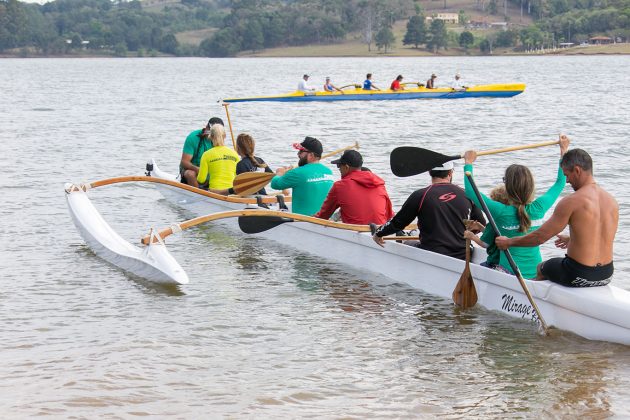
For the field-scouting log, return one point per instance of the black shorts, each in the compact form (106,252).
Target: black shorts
(568,272)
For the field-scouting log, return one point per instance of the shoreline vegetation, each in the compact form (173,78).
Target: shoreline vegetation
(353,49)
(312,28)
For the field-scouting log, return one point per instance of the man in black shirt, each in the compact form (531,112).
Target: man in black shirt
(441,209)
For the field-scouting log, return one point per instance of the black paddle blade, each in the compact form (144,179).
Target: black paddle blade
(257,224)
(408,160)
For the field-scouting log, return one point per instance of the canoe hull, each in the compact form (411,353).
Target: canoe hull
(601,313)
(481,91)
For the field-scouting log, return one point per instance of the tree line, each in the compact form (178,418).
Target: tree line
(119,27)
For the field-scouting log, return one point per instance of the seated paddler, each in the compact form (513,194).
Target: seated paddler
(217,167)
(360,195)
(310,181)
(441,209)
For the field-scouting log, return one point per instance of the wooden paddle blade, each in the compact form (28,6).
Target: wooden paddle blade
(465,293)
(257,224)
(408,160)
(251,182)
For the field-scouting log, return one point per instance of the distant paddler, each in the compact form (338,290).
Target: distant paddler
(329,87)
(396,86)
(592,215)
(367,84)
(457,84)
(304,86)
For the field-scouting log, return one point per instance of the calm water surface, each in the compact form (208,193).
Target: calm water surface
(264,330)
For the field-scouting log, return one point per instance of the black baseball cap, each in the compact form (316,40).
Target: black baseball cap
(310,144)
(351,158)
(215,120)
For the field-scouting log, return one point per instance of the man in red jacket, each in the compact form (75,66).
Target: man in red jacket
(360,194)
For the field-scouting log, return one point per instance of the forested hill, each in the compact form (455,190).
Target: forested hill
(226,28)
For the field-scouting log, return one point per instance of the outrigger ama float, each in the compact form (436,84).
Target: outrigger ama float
(506,90)
(601,313)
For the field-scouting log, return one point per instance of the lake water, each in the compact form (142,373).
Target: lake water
(264,330)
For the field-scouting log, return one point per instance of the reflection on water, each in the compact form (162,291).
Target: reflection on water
(264,330)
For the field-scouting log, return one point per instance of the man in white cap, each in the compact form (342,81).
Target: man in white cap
(441,209)
(303,86)
(457,84)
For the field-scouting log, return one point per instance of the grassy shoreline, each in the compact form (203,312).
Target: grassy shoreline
(356,49)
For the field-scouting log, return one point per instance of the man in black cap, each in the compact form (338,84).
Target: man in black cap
(310,181)
(196,144)
(361,195)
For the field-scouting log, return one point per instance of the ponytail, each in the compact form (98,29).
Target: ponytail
(245,146)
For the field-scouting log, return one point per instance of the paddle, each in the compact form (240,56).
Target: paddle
(227,113)
(262,223)
(251,182)
(515,269)
(408,160)
(465,294)
(343,149)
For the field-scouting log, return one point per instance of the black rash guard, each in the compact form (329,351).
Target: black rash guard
(440,209)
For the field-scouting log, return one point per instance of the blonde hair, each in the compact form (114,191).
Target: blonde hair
(245,147)
(217,135)
(499,194)
(519,186)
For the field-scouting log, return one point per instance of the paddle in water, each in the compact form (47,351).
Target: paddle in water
(409,161)
(513,265)
(465,294)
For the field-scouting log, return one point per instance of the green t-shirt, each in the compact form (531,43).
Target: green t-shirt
(310,184)
(493,252)
(192,144)
(526,258)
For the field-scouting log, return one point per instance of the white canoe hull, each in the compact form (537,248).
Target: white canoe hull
(601,313)
(152,262)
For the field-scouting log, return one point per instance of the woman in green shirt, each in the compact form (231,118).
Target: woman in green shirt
(523,214)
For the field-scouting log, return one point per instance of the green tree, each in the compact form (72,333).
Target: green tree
(416,31)
(224,43)
(466,39)
(253,38)
(438,37)
(462,18)
(385,38)
(507,38)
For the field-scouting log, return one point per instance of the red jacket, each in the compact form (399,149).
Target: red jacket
(362,197)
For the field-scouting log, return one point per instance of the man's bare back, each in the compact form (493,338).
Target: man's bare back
(592,225)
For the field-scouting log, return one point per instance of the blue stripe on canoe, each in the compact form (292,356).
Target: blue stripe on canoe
(383,97)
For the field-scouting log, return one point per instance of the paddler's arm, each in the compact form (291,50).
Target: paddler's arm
(186,163)
(552,227)
(285,178)
(331,203)
(407,213)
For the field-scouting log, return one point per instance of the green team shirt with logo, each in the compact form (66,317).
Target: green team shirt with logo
(192,143)
(310,184)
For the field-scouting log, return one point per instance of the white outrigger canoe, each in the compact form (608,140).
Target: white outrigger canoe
(601,313)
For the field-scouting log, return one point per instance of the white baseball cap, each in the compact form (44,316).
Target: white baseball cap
(447,166)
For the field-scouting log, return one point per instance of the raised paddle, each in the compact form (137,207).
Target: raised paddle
(515,269)
(465,294)
(408,160)
(343,149)
(227,113)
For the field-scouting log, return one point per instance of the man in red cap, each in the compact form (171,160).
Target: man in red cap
(310,181)
(361,195)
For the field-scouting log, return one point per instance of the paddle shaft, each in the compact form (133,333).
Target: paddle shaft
(513,148)
(227,113)
(517,272)
(343,149)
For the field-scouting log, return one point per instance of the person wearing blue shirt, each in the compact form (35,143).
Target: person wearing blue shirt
(368,85)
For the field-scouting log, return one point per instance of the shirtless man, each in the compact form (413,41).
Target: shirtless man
(592,215)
